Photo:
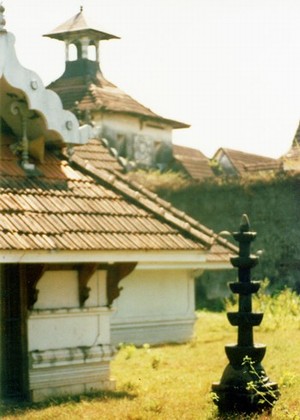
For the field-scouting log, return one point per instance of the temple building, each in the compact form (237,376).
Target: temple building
(88,259)
(140,137)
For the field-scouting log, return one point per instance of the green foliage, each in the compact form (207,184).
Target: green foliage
(257,386)
(128,349)
(156,361)
(271,200)
(272,204)
(280,309)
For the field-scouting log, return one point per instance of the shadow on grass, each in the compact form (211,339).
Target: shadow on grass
(19,408)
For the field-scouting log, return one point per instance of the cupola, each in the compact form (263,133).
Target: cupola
(77,32)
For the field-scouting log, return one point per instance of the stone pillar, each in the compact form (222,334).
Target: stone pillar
(67,47)
(244,386)
(84,47)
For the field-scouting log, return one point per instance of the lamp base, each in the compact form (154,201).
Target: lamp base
(245,389)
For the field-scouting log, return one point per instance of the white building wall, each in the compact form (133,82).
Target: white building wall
(127,124)
(57,289)
(155,306)
(144,142)
(69,347)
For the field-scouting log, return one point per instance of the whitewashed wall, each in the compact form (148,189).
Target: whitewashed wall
(130,124)
(146,143)
(155,306)
(69,347)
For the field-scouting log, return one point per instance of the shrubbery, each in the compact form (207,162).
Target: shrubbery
(272,203)
(280,309)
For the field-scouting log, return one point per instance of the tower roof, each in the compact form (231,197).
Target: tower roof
(83,86)
(94,92)
(78,26)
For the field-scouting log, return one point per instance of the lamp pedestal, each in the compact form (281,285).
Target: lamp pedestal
(244,386)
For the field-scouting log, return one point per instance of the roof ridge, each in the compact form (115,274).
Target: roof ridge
(242,152)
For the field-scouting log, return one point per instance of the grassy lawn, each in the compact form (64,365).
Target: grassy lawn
(174,381)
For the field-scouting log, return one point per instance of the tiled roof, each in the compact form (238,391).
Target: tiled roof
(193,162)
(247,162)
(263,166)
(63,206)
(97,93)
(98,154)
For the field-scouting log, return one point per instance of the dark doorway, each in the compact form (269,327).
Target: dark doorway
(13,334)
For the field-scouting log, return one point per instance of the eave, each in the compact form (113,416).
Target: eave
(187,260)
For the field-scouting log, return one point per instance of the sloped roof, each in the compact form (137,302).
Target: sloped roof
(247,162)
(59,206)
(99,155)
(96,93)
(77,207)
(76,25)
(193,162)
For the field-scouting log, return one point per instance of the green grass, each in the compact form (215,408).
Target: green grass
(174,381)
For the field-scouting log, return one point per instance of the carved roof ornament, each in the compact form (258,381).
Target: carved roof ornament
(20,84)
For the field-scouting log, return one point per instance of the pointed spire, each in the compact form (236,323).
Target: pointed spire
(245,224)
(2,20)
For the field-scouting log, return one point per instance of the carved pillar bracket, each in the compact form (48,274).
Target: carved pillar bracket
(115,274)
(32,274)
(85,272)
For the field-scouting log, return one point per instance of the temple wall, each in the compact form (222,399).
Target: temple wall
(147,143)
(155,306)
(69,347)
(127,124)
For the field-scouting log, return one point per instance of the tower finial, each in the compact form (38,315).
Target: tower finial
(81,9)
(2,20)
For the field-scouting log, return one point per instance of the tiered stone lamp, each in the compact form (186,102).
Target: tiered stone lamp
(244,386)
